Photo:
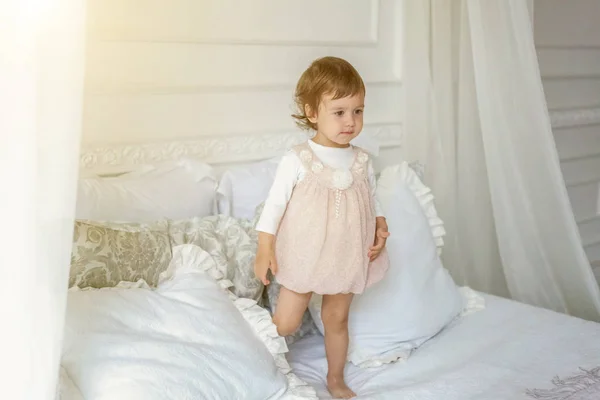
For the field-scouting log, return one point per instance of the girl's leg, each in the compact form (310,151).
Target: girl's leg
(289,311)
(334,313)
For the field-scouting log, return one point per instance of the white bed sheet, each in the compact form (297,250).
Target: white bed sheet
(496,354)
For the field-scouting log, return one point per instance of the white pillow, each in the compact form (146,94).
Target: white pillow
(174,190)
(417,297)
(242,189)
(185,340)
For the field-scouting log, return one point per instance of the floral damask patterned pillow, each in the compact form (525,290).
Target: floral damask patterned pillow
(105,253)
(230,242)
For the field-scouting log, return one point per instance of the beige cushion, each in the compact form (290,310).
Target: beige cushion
(105,254)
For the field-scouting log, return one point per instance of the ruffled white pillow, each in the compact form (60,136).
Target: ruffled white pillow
(190,258)
(189,338)
(417,297)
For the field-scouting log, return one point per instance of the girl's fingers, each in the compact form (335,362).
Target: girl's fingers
(264,279)
(274,267)
(380,239)
(377,246)
(373,255)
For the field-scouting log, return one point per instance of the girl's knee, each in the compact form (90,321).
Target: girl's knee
(335,319)
(286,326)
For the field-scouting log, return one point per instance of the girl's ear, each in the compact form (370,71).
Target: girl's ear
(310,114)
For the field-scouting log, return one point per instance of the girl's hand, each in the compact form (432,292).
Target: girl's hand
(381,235)
(265,257)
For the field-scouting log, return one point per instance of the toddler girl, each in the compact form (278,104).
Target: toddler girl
(322,230)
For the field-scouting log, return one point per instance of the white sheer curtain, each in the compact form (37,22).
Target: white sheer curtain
(476,116)
(41,86)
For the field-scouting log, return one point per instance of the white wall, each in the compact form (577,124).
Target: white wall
(219,74)
(567,36)
(215,79)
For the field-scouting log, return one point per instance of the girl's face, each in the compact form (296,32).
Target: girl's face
(338,121)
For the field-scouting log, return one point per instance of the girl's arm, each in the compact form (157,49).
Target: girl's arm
(381,227)
(265,257)
(286,178)
(373,184)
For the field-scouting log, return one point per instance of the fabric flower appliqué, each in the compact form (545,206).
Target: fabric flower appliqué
(363,157)
(342,179)
(305,156)
(317,167)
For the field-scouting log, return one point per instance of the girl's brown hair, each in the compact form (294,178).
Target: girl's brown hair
(326,76)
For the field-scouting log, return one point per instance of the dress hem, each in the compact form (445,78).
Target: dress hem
(320,293)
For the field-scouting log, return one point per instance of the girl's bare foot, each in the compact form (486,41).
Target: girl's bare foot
(338,388)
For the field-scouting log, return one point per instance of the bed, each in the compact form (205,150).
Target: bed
(507,350)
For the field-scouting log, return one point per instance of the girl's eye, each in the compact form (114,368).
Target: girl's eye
(359,111)
(339,113)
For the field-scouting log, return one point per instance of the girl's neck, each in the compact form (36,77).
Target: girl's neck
(322,140)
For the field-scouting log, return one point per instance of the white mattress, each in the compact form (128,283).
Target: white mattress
(499,353)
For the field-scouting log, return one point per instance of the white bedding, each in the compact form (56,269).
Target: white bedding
(187,339)
(496,354)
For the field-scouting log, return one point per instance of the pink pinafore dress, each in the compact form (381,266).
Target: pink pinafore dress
(328,227)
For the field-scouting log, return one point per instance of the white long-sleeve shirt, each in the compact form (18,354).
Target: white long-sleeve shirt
(291,171)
